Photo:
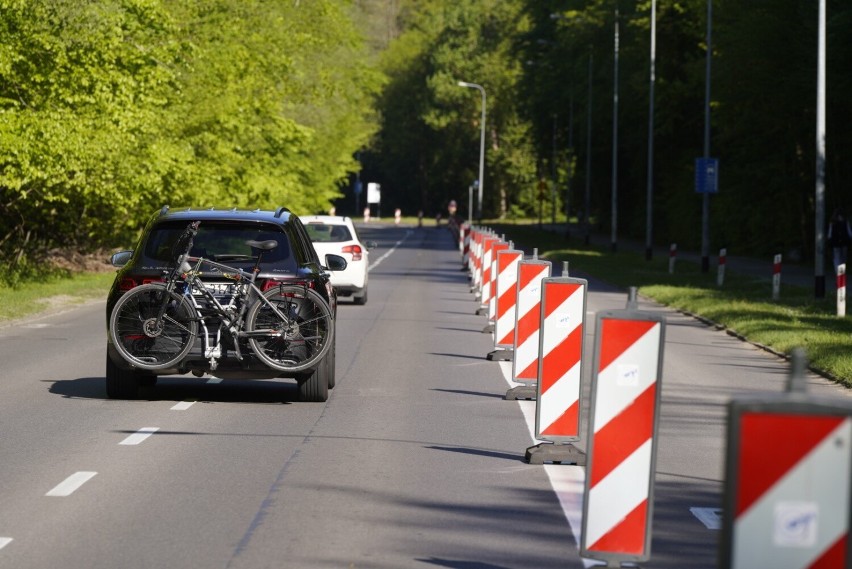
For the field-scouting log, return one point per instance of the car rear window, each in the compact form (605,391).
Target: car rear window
(222,242)
(327,233)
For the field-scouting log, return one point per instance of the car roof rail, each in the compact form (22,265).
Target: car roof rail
(164,210)
(281,210)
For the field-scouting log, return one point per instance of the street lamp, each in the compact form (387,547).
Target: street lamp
(481,147)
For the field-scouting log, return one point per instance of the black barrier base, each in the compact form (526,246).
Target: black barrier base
(522,392)
(488,329)
(500,355)
(481,310)
(557,453)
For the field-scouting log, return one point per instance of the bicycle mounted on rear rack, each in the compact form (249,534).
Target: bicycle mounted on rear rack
(154,326)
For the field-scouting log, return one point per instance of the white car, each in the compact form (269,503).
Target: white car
(336,234)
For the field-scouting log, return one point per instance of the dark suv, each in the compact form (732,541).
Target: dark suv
(224,236)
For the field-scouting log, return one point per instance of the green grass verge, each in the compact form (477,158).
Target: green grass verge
(743,305)
(35,297)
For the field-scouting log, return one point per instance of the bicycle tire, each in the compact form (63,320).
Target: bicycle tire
(299,342)
(134,332)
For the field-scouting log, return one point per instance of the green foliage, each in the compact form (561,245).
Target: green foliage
(548,68)
(111,108)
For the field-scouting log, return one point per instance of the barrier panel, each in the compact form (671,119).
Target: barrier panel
(505,299)
(478,243)
(787,485)
(465,246)
(622,446)
(672,257)
(841,290)
(560,370)
(527,327)
(490,303)
(485,281)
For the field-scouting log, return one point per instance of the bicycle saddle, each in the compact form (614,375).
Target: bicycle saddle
(263,245)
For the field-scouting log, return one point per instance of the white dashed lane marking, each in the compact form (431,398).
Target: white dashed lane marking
(4,541)
(183,406)
(72,483)
(139,436)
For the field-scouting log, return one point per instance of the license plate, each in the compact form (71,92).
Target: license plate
(217,288)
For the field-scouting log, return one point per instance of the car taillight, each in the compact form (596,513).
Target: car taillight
(272,283)
(127,283)
(354,250)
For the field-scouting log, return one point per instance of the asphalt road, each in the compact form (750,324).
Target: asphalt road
(415,461)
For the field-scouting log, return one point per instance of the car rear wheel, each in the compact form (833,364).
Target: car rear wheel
(313,387)
(329,358)
(126,383)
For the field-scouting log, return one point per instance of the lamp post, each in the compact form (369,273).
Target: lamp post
(481,147)
(649,213)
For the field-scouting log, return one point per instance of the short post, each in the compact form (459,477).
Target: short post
(720,273)
(565,268)
(632,298)
(672,257)
(841,290)
(776,278)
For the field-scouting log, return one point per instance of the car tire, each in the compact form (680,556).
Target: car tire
(313,387)
(360,299)
(330,359)
(126,383)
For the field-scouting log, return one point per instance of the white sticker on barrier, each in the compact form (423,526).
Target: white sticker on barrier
(628,375)
(796,524)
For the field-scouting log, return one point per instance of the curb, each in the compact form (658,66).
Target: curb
(771,350)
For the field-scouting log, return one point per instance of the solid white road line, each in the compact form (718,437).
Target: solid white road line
(139,436)
(214,380)
(70,484)
(183,406)
(710,517)
(568,482)
(4,541)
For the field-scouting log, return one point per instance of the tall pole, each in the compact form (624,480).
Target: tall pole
(705,197)
(588,197)
(819,202)
(481,147)
(649,212)
(553,175)
(614,236)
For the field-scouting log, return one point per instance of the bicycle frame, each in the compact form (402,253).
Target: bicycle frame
(188,269)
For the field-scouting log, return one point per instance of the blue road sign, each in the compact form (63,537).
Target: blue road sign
(707,175)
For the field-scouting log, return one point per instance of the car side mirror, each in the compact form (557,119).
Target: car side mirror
(371,245)
(335,262)
(120,259)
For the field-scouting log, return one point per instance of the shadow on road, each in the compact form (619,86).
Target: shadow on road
(182,389)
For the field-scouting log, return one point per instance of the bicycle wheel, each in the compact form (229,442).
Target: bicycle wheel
(141,339)
(299,340)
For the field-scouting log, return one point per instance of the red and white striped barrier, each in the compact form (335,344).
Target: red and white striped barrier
(476,259)
(623,420)
(787,487)
(528,320)
(465,245)
(507,293)
(485,280)
(776,277)
(560,361)
(720,272)
(492,297)
(841,290)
